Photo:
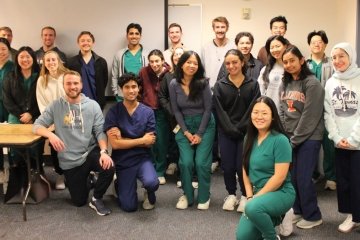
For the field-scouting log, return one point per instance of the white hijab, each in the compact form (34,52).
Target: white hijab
(353,70)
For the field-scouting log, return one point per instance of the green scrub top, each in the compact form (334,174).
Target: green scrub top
(275,148)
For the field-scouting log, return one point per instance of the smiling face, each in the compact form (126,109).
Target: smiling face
(261,116)
(220,30)
(156,63)
(177,54)
(130,90)
(72,86)
(4,53)
(278,28)
(190,66)
(292,64)
(277,49)
(233,64)
(48,37)
(85,43)
(317,46)
(244,45)
(25,60)
(133,36)
(51,62)
(340,60)
(175,35)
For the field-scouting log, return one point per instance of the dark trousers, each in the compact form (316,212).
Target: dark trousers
(127,184)
(76,179)
(347,164)
(305,158)
(231,162)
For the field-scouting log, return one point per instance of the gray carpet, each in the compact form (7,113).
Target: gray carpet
(56,218)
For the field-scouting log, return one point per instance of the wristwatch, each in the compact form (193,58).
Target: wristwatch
(104,151)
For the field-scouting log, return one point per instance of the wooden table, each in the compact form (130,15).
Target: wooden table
(20,136)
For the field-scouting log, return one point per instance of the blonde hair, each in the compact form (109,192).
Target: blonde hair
(44,72)
(222,20)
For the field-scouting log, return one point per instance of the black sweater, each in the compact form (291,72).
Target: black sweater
(232,105)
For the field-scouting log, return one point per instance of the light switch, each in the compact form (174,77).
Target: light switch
(246,13)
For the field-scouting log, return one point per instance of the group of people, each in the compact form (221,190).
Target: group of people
(268,117)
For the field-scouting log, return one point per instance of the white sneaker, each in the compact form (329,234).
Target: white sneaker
(296,218)
(304,224)
(348,225)
(330,185)
(286,226)
(60,182)
(204,206)
(162,180)
(229,203)
(178,184)
(195,185)
(242,203)
(171,169)
(214,166)
(146,204)
(182,203)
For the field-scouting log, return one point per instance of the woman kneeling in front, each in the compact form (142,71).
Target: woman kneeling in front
(267,157)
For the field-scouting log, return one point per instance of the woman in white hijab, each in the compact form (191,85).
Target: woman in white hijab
(342,120)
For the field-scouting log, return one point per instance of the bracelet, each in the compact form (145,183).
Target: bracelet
(104,151)
(248,198)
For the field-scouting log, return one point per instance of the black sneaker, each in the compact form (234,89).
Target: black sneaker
(99,207)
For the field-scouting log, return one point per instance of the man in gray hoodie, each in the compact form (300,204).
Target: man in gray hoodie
(80,142)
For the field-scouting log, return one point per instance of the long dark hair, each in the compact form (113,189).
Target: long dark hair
(198,82)
(34,68)
(237,52)
(271,60)
(252,131)
(304,72)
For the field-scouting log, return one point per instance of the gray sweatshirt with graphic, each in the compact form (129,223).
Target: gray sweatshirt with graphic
(301,110)
(79,126)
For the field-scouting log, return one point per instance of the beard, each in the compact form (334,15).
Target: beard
(73,95)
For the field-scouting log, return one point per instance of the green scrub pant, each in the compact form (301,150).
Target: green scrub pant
(160,148)
(199,155)
(263,213)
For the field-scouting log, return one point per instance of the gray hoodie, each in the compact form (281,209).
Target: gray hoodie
(79,126)
(301,110)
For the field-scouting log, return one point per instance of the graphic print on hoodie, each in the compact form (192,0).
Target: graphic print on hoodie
(344,101)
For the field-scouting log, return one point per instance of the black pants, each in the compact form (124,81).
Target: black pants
(76,179)
(348,182)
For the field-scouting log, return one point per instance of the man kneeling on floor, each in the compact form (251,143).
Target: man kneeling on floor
(130,127)
(79,125)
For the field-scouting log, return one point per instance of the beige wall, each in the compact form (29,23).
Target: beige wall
(336,17)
